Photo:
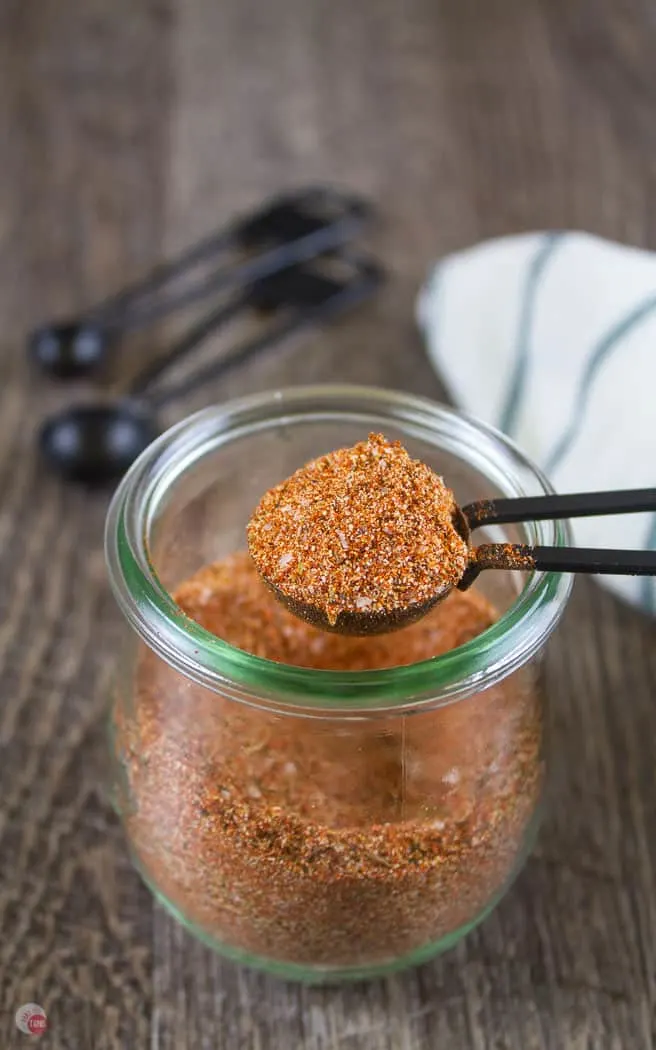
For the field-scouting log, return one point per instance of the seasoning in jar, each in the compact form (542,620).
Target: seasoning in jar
(362,530)
(324,842)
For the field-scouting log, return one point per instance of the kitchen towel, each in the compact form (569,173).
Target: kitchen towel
(551,337)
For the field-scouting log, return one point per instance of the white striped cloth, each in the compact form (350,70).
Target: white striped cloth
(551,337)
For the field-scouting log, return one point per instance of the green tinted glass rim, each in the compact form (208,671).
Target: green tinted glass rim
(200,655)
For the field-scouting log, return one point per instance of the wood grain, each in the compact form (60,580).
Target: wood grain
(83,119)
(127,130)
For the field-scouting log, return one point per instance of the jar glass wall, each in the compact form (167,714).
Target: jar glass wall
(322,824)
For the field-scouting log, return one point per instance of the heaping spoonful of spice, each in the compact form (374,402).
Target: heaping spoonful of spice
(366,539)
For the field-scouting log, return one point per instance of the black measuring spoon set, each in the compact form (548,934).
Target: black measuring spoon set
(294,268)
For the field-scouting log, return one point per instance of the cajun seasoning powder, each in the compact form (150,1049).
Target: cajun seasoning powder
(326,843)
(365,529)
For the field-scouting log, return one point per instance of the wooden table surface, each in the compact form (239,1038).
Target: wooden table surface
(127,130)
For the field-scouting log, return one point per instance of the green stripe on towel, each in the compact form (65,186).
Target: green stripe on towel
(510,411)
(603,351)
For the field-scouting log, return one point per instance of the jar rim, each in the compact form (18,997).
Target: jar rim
(201,656)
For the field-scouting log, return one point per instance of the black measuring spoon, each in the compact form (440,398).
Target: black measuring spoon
(96,443)
(287,230)
(509,556)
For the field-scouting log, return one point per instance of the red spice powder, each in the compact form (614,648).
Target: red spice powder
(230,600)
(365,529)
(325,842)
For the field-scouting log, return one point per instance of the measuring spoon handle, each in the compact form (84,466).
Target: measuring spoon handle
(558,559)
(543,508)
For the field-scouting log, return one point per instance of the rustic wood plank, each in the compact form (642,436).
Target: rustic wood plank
(83,117)
(129,130)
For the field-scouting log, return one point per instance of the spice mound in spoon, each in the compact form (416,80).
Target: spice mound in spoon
(359,541)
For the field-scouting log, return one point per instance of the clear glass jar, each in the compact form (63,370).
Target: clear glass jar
(321,825)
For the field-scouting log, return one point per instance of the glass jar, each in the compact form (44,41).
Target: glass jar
(321,825)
